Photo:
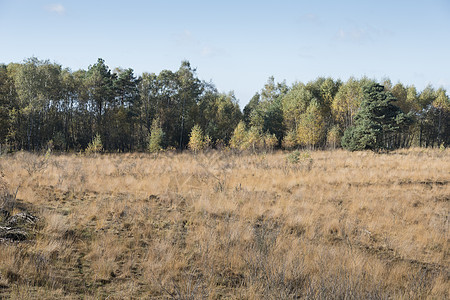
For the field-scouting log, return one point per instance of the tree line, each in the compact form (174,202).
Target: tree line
(44,105)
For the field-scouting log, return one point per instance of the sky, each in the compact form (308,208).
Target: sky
(239,44)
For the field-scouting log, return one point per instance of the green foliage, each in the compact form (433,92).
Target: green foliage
(239,137)
(125,87)
(254,139)
(270,141)
(41,102)
(347,101)
(301,159)
(442,101)
(207,142)
(59,141)
(376,122)
(356,138)
(4,103)
(290,140)
(95,146)
(442,105)
(427,97)
(334,137)
(293,157)
(311,128)
(250,107)
(265,111)
(99,83)
(221,114)
(197,141)
(294,104)
(156,137)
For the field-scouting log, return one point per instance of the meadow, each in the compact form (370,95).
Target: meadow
(220,225)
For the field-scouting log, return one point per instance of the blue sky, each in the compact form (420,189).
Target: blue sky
(238,44)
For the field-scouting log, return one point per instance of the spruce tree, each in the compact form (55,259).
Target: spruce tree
(376,122)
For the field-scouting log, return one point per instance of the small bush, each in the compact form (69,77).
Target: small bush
(197,141)
(293,157)
(270,140)
(334,137)
(239,137)
(300,159)
(290,140)
(156,138)
(95,146)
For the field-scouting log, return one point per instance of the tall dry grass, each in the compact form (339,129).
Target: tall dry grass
(332,224)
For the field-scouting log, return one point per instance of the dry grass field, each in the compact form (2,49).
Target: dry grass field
(322,225)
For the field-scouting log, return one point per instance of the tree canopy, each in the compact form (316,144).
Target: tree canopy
(45,105)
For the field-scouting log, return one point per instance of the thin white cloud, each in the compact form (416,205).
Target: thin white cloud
(361,34)
(212,51)
(354,35)
(56,8)
(207,51)
(310,18)
(187,40)
(306,52)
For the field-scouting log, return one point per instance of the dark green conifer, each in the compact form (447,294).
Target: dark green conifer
(376,123)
